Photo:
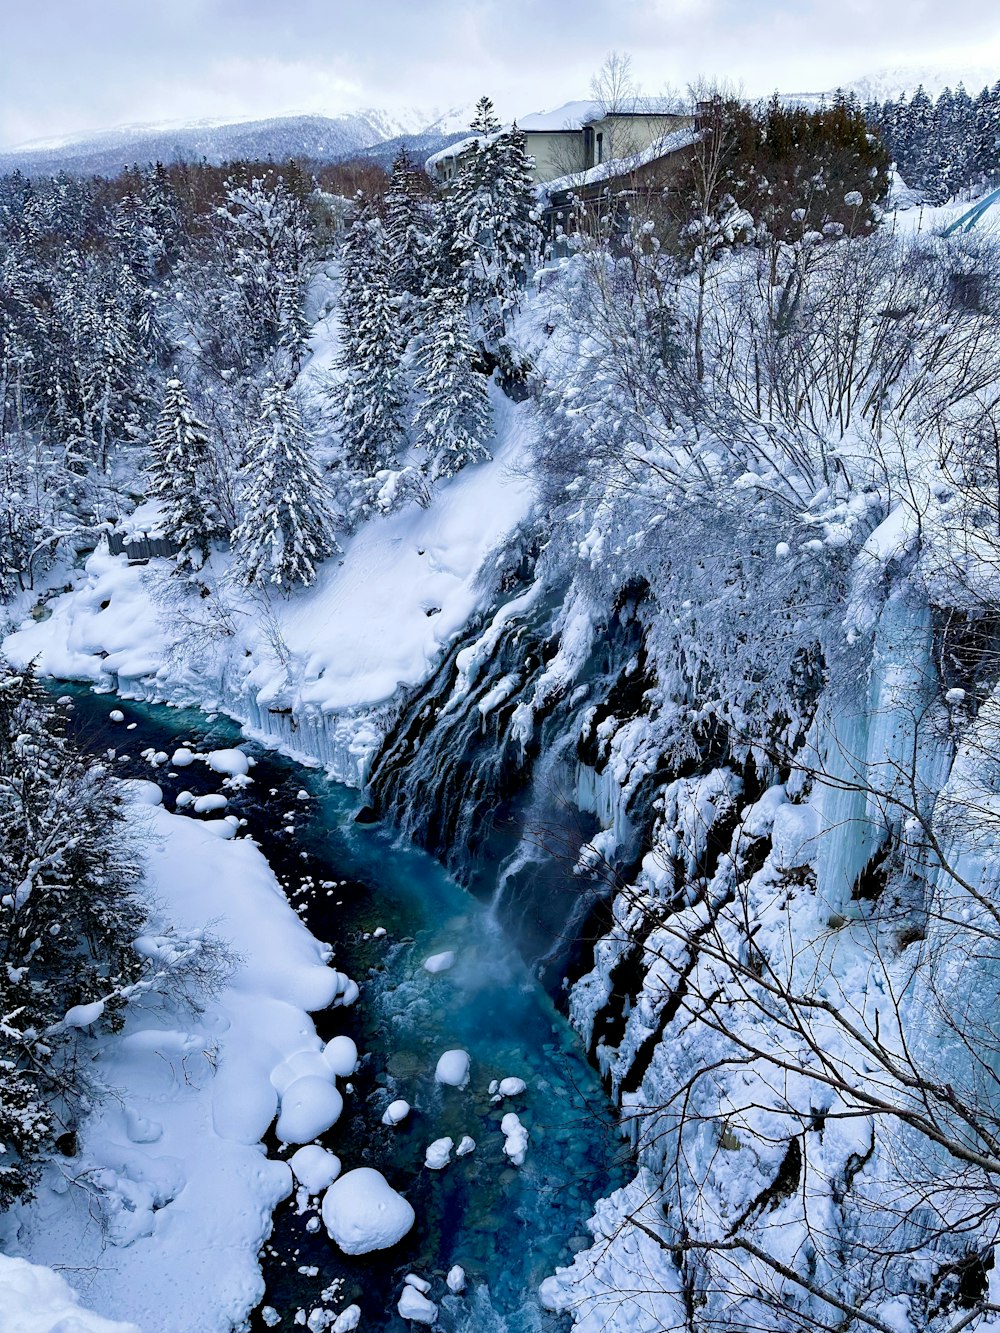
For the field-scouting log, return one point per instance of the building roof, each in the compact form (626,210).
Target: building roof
(621,166)
(571,116)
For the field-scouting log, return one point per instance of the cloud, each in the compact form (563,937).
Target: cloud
(101,63)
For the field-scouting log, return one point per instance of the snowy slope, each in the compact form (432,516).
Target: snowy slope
(184,1191)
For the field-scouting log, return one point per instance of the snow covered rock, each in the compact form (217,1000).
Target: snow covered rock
(456,1280)
(418,1283)
(298,1066)
(147,793)
(341,1054)
(215,801)
(362,1212)
(466,1146)
(314,1167)
(515,1139)
(395,1112)
(511,1087)
(348,1320)
(453,1069)
(438,1154)
(416,1307)
(439,962)
(116,715)
(181,757)
(233,763)
(309,1106)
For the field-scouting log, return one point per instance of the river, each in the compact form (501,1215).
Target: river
(508,1227)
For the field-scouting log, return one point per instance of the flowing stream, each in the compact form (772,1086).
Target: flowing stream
(507,1227)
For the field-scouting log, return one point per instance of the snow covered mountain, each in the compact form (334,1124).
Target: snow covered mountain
(887,84)
(321,138)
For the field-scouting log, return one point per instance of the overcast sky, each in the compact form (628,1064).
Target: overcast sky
(68,66)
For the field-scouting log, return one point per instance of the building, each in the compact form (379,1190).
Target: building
(579,137)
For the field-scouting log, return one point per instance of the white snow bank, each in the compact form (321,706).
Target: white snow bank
(182,1191)
(36,1300)
(362,1212)
(453,1069)
(314,1167)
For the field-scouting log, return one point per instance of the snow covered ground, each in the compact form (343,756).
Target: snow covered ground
(378,618)
(159,1219)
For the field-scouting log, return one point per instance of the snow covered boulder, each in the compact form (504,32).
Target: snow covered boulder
(395,1112)
(456,1279)
(416,1307)
(515,1139)
(438,1154)
(467,1145)
(362,1212)
(314,1167)
(439,962)
(233,763)
(341,1054)
(309,1106)
(116,715)
(511,1087)
(453,1069)
(348,1320)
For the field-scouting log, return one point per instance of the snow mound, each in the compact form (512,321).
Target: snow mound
(416,1307)
(467,1145)
(348,1320)
(511,1087)
(515,1139)
(36,1300)
(395,1112)
(309,1106)
(362,1212)
(314,1167)
(341,1054)
(438,1154)
(453,1069)
(233,763)
(456,1279)
(439,962)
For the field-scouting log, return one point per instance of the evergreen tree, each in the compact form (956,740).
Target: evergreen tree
(288,519)
(453,418)
(492,210)
(181,472)
(373,389)
(68,919)
(408,226)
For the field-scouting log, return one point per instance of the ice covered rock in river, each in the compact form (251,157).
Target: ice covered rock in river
(314,1167)
(515,1139)
(438,1154)
(416,1307)
(395,1112)
(456,1279)
(439,962)
(453,1069)
(362,1212)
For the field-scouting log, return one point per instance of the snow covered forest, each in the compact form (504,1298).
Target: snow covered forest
(640,562)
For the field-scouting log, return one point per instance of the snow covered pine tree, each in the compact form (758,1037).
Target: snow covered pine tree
(453,418)
(288,519)
(68,919)
(180,469)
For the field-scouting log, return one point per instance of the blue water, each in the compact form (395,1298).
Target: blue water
(508,1227)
